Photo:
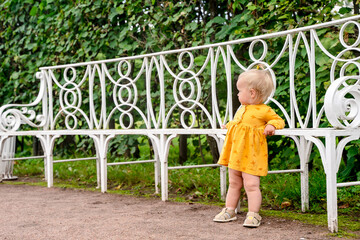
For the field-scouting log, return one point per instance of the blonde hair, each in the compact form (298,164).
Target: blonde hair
(260,81)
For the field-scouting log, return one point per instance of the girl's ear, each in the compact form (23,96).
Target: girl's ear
(253,93)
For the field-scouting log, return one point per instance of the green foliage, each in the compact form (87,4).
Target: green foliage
(29,168)
(350,167)
(195,184)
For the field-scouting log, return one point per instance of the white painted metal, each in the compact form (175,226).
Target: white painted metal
(6,166)
(331,189)
(74,159)
(47,142)
(101,143)
(24,158)
(131,162)
(223,170)
(122,90)
(286,171)
(194,166)
(348,184)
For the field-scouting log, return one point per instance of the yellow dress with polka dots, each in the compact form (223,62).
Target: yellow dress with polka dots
(245,147)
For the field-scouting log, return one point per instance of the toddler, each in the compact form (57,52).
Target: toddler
(245,148)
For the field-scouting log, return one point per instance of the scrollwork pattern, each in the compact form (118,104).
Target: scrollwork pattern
(342,98)
(70,98)
(342,102)
(11,118)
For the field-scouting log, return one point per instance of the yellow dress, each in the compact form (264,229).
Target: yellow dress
(245,147)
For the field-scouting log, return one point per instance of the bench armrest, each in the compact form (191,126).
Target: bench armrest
(341,110)
(13,115)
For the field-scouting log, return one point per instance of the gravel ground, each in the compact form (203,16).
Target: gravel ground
(33,212)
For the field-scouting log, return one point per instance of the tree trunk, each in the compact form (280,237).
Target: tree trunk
(37,148)
(151,149)
(356,7)
(212,8)
(112,126)
(213,148)
(183,148)
(20,142)
(235,100)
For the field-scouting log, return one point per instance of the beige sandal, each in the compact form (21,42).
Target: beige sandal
(252,220)
(226,215)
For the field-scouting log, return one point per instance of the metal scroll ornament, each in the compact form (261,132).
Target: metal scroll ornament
(342,102)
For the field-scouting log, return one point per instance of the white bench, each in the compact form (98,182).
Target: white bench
(149,95)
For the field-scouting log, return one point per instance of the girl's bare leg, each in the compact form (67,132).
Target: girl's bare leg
(235,185)
(252,188)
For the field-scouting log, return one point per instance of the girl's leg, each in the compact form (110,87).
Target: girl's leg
(235,185)
(232,198)
(252,188)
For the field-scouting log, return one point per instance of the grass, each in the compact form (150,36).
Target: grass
(202,185)
(347,224)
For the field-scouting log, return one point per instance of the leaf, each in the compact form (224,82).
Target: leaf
(251,22)
(33,11)
(15,75)
(284,16)
(30,46)
(344,10)
(223,32)
(285,204)
(192,26)
(237,18)
(199,60)
(123,34)
(352,151)
(218,20)
(251,6)
(120,9)
(346,205)
(113,14)
(321,60)
(116,11)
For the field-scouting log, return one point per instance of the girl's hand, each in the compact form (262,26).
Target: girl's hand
(223,126)
(269,130)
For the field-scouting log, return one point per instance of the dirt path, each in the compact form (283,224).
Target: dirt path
(31,212)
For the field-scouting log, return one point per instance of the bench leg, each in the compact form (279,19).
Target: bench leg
(157,171)
(49,170)
(47,142)
(328,158)
(331,183)
(162,144)
(2,164)
(98,174)
(223,170)
(101,142)
(223,179)
(304,154)
(164,179)
(103,173)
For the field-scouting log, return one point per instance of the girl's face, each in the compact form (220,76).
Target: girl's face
(246,95)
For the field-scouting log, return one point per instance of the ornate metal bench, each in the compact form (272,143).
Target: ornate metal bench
(150,95)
